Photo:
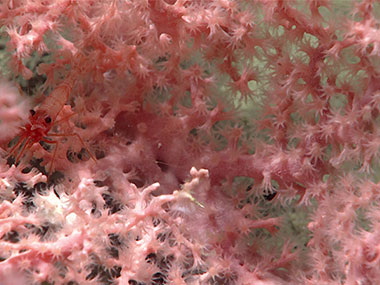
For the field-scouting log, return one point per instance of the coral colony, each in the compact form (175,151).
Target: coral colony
(189,142)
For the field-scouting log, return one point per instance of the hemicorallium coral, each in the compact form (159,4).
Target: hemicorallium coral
(189,142)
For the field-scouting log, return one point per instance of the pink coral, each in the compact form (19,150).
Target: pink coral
(193,132)
(13,111)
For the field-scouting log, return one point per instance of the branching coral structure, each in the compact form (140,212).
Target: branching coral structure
(180,142)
